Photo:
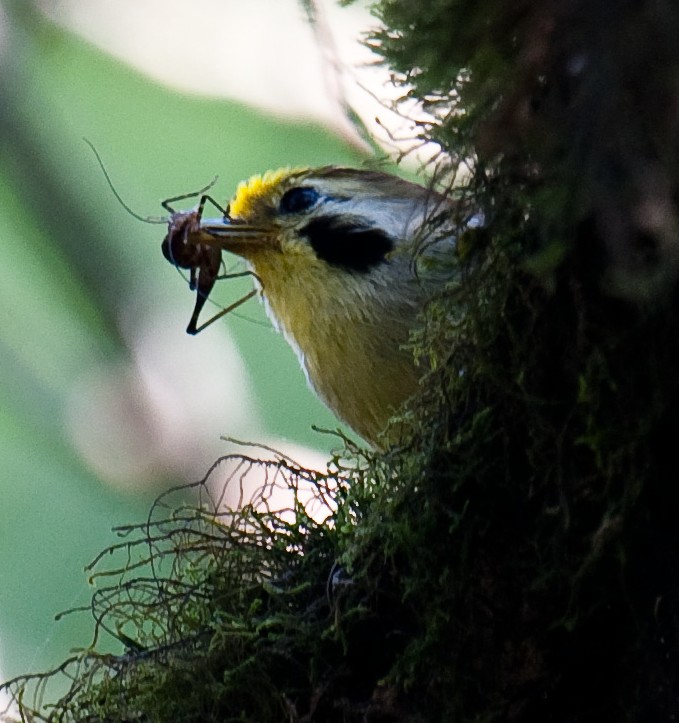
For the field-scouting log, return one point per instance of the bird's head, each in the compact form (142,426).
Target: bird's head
(347,219)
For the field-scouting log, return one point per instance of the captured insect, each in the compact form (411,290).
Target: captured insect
(192,243)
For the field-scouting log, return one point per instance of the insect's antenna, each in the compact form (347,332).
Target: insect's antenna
(132,213)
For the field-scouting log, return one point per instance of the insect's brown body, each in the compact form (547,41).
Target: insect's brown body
(185,247)
(192,243)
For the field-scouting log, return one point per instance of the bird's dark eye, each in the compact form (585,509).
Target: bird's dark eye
(350,245)
(298,199)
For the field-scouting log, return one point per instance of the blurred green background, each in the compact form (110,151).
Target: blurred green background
(104,398)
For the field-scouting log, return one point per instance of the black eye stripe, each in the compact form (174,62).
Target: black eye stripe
(348,245)
(300,198)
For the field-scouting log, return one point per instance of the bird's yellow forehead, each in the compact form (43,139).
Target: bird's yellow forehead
(259,187)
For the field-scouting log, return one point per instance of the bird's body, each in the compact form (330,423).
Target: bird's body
(333,251)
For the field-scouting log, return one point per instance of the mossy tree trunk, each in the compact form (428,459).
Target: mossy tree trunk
(550,468)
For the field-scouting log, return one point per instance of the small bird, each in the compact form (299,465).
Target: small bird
(344,260)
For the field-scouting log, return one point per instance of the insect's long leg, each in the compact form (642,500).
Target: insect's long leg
(203,294)
(238,275)
(166,203)
(193,329)
(204,199)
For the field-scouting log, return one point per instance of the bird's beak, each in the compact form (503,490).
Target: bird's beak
(235,236)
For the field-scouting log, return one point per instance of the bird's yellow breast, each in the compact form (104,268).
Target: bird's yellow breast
(351,351)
